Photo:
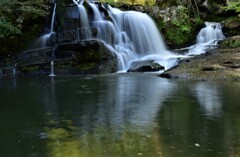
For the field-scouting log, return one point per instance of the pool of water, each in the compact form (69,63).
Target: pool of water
(118,115)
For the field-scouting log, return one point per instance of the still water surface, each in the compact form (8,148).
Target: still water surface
(119,115)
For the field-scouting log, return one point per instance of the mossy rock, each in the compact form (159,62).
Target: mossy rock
(232,26)
(232,42)
(90,57)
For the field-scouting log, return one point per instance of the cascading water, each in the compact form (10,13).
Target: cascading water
(43,40)
(53,18)
(207,38)
(52,26)
(14,70)
(52,69)
(131,35)
(134,36)
(137,37)
(97,15)
(85,27)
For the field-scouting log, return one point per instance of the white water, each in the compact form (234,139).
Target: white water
(52,30)
(97,15)
(52,69)
(53,18)
(134,36)
(14,70)
(207,38)
(146,41)
(43,40)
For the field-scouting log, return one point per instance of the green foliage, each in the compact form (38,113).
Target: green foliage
(30,69)
(233,42)
(233,6)
(181,29)
(20,21)
(14,13)
(142,2)
(7,29)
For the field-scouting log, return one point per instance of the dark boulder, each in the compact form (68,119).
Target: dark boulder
(85,57)
(145,66)
(231,26)
(89,57)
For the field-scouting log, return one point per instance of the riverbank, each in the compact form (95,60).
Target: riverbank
(222,63)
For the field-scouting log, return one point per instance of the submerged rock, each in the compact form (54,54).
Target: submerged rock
(145,66)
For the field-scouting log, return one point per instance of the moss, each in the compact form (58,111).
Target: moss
(233,42)
(181,30)
(86,67)
(30,69)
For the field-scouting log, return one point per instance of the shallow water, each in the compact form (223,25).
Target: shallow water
(118,115)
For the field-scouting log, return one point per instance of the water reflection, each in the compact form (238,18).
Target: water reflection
(209,98)
(118,115)
(106,116)
(133,102)
(193,123)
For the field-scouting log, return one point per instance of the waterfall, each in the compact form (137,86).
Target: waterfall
(211,33)
(137,37)
(207,38)
(97,15)
(52,69)
(53,18)
(52,30)
(131,35)
(83,16)
(44,39)
(14,70)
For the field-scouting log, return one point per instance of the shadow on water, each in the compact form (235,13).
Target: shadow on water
(117,115)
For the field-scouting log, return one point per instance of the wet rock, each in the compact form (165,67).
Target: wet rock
(139,8)
(68,35)
(90,57)
(164,75)
(145,66)
(35,56)
(86,57)
(31,62)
